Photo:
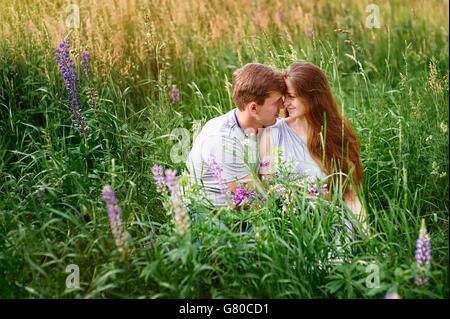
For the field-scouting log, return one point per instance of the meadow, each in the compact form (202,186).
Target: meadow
(158,70)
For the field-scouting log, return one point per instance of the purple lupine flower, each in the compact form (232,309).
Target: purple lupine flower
(180,215)
(242,194)
(39,192)
(85,57)
(71,81)
(175,96)
(178,208)
(158,176)
(176,204)
(171,179)
(309,33)
(279,188)
(313,191)
(114,212)
(239,196)
(91,91)
(280,15)
(216,171)
(423,255)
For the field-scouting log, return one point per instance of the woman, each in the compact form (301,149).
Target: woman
(312,119)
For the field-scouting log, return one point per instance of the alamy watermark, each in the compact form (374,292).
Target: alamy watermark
(227,149)
(73,280)
(73,18)
(183,145)
(373,19)
(373,279)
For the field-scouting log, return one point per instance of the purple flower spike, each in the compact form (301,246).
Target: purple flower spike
(91,92)
(114,212)
(176,204)
(309,33)
(39,192)
(158,176)
(242,194)
(175,96)
(171,179)
(113,209)
(280,15)
(423,255)
(216,171)
(70,77)
(85,57)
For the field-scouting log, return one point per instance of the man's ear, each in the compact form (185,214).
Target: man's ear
(252,107)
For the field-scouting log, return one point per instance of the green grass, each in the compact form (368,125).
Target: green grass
(392,84)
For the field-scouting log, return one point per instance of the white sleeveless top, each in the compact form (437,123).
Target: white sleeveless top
(293,150)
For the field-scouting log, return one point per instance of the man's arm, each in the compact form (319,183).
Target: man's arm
(248,180)
(229,155)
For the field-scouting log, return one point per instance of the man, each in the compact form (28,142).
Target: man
(222,153)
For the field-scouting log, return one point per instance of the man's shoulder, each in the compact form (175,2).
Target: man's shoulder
(219,126)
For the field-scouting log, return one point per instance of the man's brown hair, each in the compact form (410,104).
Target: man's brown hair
(254,82)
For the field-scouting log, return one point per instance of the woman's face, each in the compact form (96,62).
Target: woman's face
(295,105)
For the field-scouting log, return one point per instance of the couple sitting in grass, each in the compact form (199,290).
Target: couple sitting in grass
(247,143)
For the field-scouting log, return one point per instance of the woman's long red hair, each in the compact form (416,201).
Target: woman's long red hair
(323,117)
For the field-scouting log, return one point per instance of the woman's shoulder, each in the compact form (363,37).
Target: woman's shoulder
(278,125)
(280,121)
(274,131)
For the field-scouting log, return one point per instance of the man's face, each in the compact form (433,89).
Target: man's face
(267,113)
